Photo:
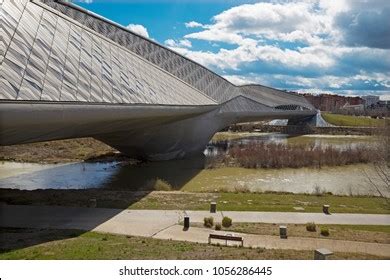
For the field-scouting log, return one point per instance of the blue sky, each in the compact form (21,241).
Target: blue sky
(337,46)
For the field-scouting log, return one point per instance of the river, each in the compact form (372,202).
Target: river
(191,174)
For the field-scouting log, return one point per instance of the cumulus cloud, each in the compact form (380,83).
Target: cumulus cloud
(177,44)
(289,21)
(338,45)
(369,28)
(193,24)
(139,29)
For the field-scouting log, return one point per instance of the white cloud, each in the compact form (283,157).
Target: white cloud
(139,29)
(300,43)
(294,21)
(177,44)
(308,57)
(193,24)
(245,80)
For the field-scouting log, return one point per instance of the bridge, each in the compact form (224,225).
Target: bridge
(67,73)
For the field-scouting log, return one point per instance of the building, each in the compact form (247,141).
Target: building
(370,100)
(332,102)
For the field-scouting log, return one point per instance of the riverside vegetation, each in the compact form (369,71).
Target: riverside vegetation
(274,155)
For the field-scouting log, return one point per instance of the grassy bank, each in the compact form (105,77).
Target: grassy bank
(362,233)
(227,201)
(344,120)
(269,202)
(71,244)
(60,151)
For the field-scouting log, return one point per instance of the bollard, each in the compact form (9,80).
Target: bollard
(325,209)
(322,254)
(186,222)
(283,232)
(213,207)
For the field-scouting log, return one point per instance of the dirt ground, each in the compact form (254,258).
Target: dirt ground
(61,151)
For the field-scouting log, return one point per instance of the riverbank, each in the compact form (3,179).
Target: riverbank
(61,151)
(274,155)
(301,130)
(180,200)
(352,121)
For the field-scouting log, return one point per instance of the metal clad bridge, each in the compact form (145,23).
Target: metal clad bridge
(67,73)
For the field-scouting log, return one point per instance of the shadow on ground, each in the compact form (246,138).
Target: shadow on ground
(116,187)
(17,238)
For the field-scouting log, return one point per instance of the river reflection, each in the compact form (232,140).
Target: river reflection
(192,174)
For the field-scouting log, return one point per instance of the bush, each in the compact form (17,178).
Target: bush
(241,189)
(208,222)
(311,227)
(226,222)
(324,231)
(162,185)
(218,226)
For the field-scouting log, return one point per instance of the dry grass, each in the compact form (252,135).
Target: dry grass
(177,200)
(273,155)
(379,234)
(71,244)
(60,151)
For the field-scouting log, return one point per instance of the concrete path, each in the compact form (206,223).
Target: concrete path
(163,224)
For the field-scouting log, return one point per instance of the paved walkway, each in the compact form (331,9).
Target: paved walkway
(164,225)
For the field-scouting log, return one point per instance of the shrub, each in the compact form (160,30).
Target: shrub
(208,222)
(311,227)
(226,222)
(241,189)
(324,231)
(162,185)
(218,226)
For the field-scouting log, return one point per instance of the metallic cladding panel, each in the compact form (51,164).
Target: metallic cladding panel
(196,75)
(186,70)
(52,58)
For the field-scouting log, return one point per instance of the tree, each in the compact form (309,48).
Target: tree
(380,178)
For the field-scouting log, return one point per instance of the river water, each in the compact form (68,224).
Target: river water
(191,174)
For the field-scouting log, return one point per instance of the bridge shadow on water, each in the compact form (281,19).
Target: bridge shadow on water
(85,195)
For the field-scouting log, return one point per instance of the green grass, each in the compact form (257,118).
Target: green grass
(181,200)
(362,233)
(371,228)
(344,120)
(270,202)
(91,245)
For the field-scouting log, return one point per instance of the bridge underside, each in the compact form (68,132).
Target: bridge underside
(67,73)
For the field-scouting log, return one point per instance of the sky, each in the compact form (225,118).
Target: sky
(316,46)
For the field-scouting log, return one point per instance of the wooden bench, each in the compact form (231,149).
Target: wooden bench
(226,238)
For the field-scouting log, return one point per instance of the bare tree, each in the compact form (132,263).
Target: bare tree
(380,178)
